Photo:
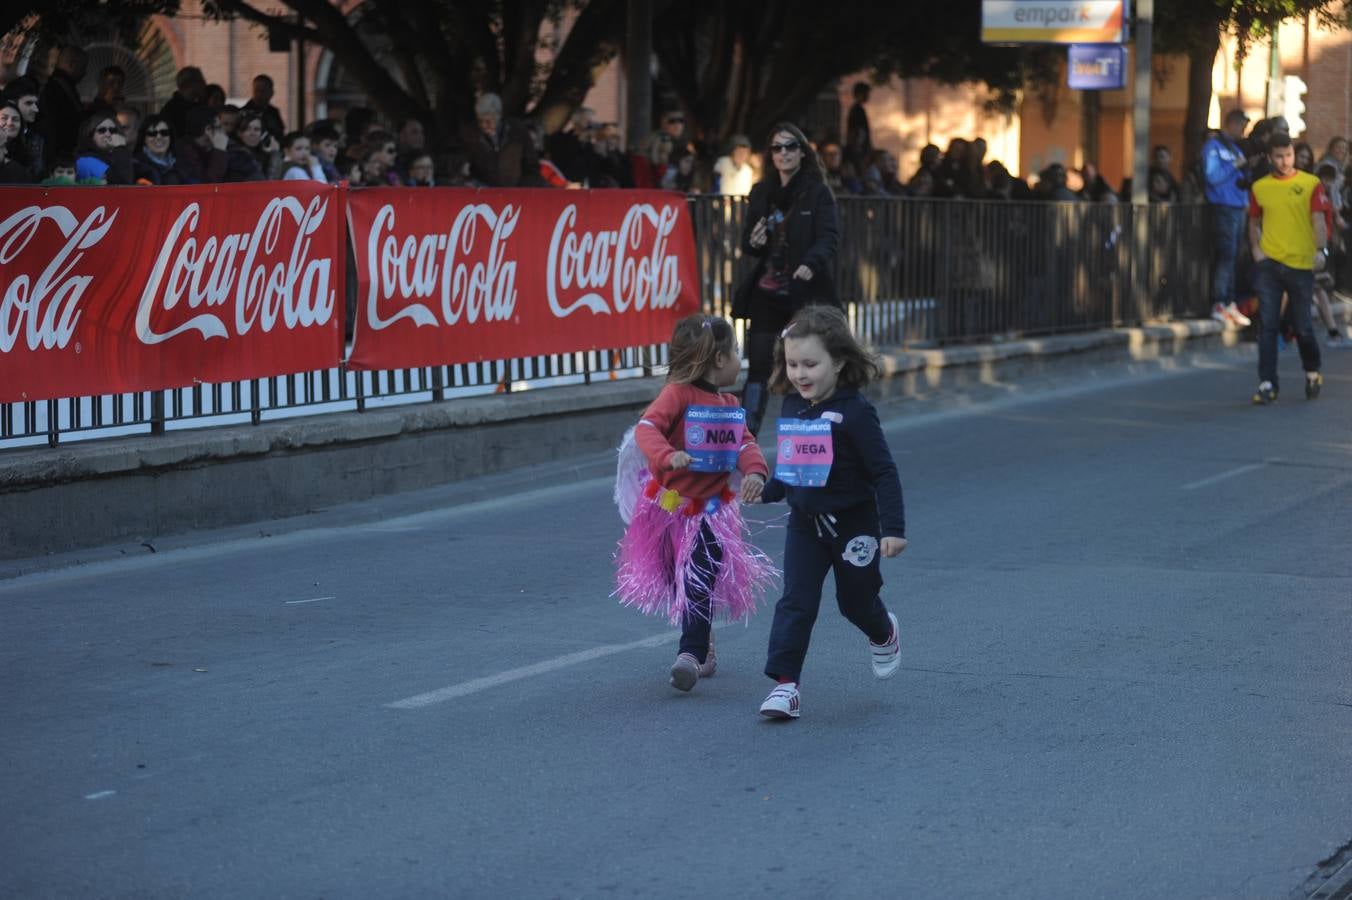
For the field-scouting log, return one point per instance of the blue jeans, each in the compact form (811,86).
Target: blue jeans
(1270,280)
(1227,228)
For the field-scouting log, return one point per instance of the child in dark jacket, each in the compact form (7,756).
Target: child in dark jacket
(837,473)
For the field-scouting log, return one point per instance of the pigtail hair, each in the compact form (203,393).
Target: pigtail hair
(695,344)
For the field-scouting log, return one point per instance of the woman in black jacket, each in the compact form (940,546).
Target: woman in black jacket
(155,161)
(792,228)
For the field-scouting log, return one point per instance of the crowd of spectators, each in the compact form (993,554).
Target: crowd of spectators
(49,134)
(1233,159)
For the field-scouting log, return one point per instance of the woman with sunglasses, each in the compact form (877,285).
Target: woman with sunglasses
(792,230)
(101,152)
(155,161)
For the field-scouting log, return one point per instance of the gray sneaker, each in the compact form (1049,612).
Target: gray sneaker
(710,665)
(684,672)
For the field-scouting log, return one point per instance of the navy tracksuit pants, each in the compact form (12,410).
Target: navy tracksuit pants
(706,556)
(846,543)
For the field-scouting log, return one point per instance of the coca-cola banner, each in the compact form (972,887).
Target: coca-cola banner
(107,290)
(450,275)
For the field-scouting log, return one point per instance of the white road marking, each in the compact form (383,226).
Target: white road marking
(474,686)
(99,795)
(312,600)
(1233,473)
(243,545)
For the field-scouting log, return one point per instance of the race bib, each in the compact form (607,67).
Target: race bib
(713,437)
(804,452)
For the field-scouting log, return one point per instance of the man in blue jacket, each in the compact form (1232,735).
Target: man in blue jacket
(1227,190)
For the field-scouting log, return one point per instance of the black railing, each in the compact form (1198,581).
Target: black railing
(912,272)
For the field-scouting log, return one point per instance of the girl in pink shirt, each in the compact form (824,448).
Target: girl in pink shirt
(685,554)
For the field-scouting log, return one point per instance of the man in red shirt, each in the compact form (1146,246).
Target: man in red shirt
(1289,238)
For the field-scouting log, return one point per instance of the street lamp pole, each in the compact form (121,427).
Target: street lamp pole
(1140,157)
(1140,166)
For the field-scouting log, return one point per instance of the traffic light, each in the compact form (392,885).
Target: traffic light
(1293,103)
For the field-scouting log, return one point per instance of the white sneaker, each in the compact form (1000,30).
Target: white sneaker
(1234,315)
(1218,313)
(887,657)
(782,702)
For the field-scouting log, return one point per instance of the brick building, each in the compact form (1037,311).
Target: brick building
(1048,125)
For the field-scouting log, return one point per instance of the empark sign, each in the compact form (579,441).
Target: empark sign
(1053,21)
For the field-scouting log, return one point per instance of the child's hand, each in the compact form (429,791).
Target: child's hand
(891,546)
(752,486)
(679,460)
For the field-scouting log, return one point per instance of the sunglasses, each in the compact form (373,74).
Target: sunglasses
(107,129)
(789,147)
(158,132)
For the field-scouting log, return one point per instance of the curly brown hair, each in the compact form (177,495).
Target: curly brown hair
(829,324)
(695,344)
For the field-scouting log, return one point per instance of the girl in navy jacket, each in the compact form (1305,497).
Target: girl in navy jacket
(837,473)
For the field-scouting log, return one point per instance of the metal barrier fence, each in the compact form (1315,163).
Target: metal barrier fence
(913,273)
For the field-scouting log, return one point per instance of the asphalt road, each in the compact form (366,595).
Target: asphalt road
(1126,673)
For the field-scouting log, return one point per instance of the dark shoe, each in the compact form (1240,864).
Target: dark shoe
(1313,382)
(1266,393)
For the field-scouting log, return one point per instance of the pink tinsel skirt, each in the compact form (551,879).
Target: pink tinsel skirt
(655,565)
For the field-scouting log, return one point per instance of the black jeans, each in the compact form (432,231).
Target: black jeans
(706,556)
(769,316)
(1270,279)
(814,546)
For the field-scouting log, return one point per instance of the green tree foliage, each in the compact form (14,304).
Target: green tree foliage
(1194,28)
(429,58)
(57,19)
(741,67)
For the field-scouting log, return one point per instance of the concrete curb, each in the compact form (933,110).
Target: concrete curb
(900,361)
(37,468)
(96,493)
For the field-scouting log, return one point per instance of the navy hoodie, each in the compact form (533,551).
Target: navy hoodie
(862,471)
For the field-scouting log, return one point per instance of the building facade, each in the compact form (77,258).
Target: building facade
(1051,123)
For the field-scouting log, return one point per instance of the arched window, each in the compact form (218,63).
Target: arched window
(148,63)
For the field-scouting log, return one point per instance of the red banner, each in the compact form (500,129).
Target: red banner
(449,275)
(109,290)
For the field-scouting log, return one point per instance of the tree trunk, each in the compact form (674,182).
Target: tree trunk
(1201,59)
(594,41)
